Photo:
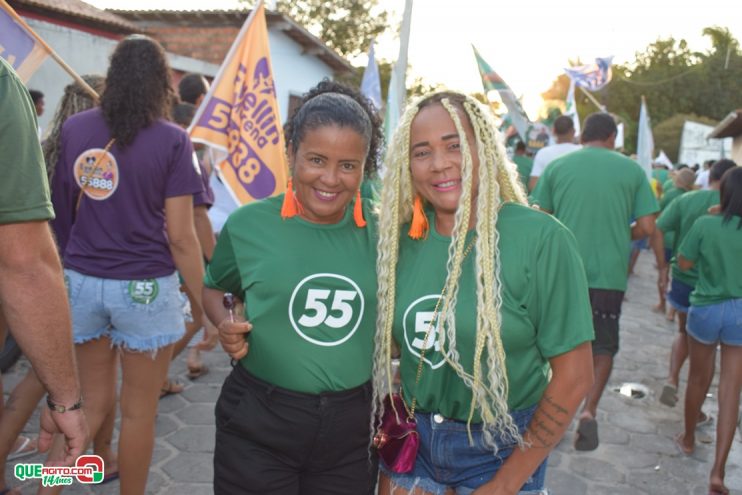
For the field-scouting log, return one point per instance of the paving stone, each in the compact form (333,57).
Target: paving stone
(194,439)
(202,393)
(562,482)
(632,422)
(596,470)
(190,468)
(197,414)
(164,425)
(657,483)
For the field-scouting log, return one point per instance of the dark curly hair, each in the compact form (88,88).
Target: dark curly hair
(362,118)
(138,88)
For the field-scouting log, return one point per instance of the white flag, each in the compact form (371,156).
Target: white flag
(371,84)
(571,110)
(645,141)
(397,85)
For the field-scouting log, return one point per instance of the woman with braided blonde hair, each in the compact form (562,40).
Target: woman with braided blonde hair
(485,300)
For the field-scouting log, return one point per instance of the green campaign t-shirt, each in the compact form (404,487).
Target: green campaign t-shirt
(545,310)
(661,174)
(524,164)
(715,246)
(309,291)
(678,217)
(669,237)
(596,193)
(24,188)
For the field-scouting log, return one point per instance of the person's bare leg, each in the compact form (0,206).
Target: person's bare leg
(730,383)
(700,375)
(103,439)
(679,352)
(602,367)
(20,406)
(192,327)
(140,391)
(96,362)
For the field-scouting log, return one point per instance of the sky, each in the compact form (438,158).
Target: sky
(527,42)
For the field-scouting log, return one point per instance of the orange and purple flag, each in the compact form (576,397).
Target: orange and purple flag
(240,115)
(17,45)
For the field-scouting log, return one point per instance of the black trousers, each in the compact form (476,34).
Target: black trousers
(272,441)
(606,306)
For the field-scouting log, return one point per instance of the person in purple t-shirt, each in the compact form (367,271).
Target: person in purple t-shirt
(126,179)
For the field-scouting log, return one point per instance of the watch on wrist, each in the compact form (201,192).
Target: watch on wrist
(62,409)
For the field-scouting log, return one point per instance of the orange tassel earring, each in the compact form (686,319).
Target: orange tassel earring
(291,206)
(358,211)
(419,226)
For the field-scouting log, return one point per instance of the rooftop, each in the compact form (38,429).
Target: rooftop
(731,126)
(76,10)
(236,17)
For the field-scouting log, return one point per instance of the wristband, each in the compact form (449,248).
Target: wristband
(62,409)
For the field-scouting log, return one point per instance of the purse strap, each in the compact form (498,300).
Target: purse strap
(96,165)
(411,410)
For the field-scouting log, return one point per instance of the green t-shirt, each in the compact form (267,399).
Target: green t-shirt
(715,246)
(309,292)
(678,217)
(667,186)
(667,198)
(24,188)
(524,164)
(661,174)
(545,310)
(596,193)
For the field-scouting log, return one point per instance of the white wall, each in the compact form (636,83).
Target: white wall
(295,72)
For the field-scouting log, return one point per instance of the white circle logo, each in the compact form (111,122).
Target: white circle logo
(417,322)
(326,309)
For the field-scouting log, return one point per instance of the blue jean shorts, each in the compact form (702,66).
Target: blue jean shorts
(447,460)
(138,315)
(717,323)
(679,295)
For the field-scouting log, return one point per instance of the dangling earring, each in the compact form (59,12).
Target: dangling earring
(291,206)
(419,226)
(358,211)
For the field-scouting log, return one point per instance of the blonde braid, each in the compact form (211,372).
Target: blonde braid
(497,179)
(396,197)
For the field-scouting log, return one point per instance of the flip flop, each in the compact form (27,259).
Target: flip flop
(669,395)
(718,490)
(587,435)
(707,420)
(108,478)
(171,387)
(197,371)
(26,448)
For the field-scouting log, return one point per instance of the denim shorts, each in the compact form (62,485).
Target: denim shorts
(139,315)
(447,460)
(679,295)
(717,323)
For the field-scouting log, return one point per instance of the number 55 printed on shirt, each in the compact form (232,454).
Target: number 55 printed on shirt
(326,309)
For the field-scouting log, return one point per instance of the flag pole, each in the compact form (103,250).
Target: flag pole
(79,80)
(592,99)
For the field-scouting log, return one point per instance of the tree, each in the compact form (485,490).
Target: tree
(348,26)
(675,80)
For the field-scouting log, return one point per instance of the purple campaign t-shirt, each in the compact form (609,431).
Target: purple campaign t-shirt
(118,232)
(205,197)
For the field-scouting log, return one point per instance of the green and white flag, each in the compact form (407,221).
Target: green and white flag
(492,81)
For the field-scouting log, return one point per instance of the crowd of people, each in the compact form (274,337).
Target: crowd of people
(476,301)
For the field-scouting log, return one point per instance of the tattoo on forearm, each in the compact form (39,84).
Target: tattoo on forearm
(548,423)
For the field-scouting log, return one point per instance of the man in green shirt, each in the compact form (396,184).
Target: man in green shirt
(678,218)
(596,192)
(523,162)
(32,290)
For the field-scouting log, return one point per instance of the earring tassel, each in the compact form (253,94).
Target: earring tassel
(290,207)
(358,211)
(419,226)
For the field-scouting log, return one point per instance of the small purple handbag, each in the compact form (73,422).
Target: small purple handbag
(396,439)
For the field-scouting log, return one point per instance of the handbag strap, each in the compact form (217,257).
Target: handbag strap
(87,178)
(411,410)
